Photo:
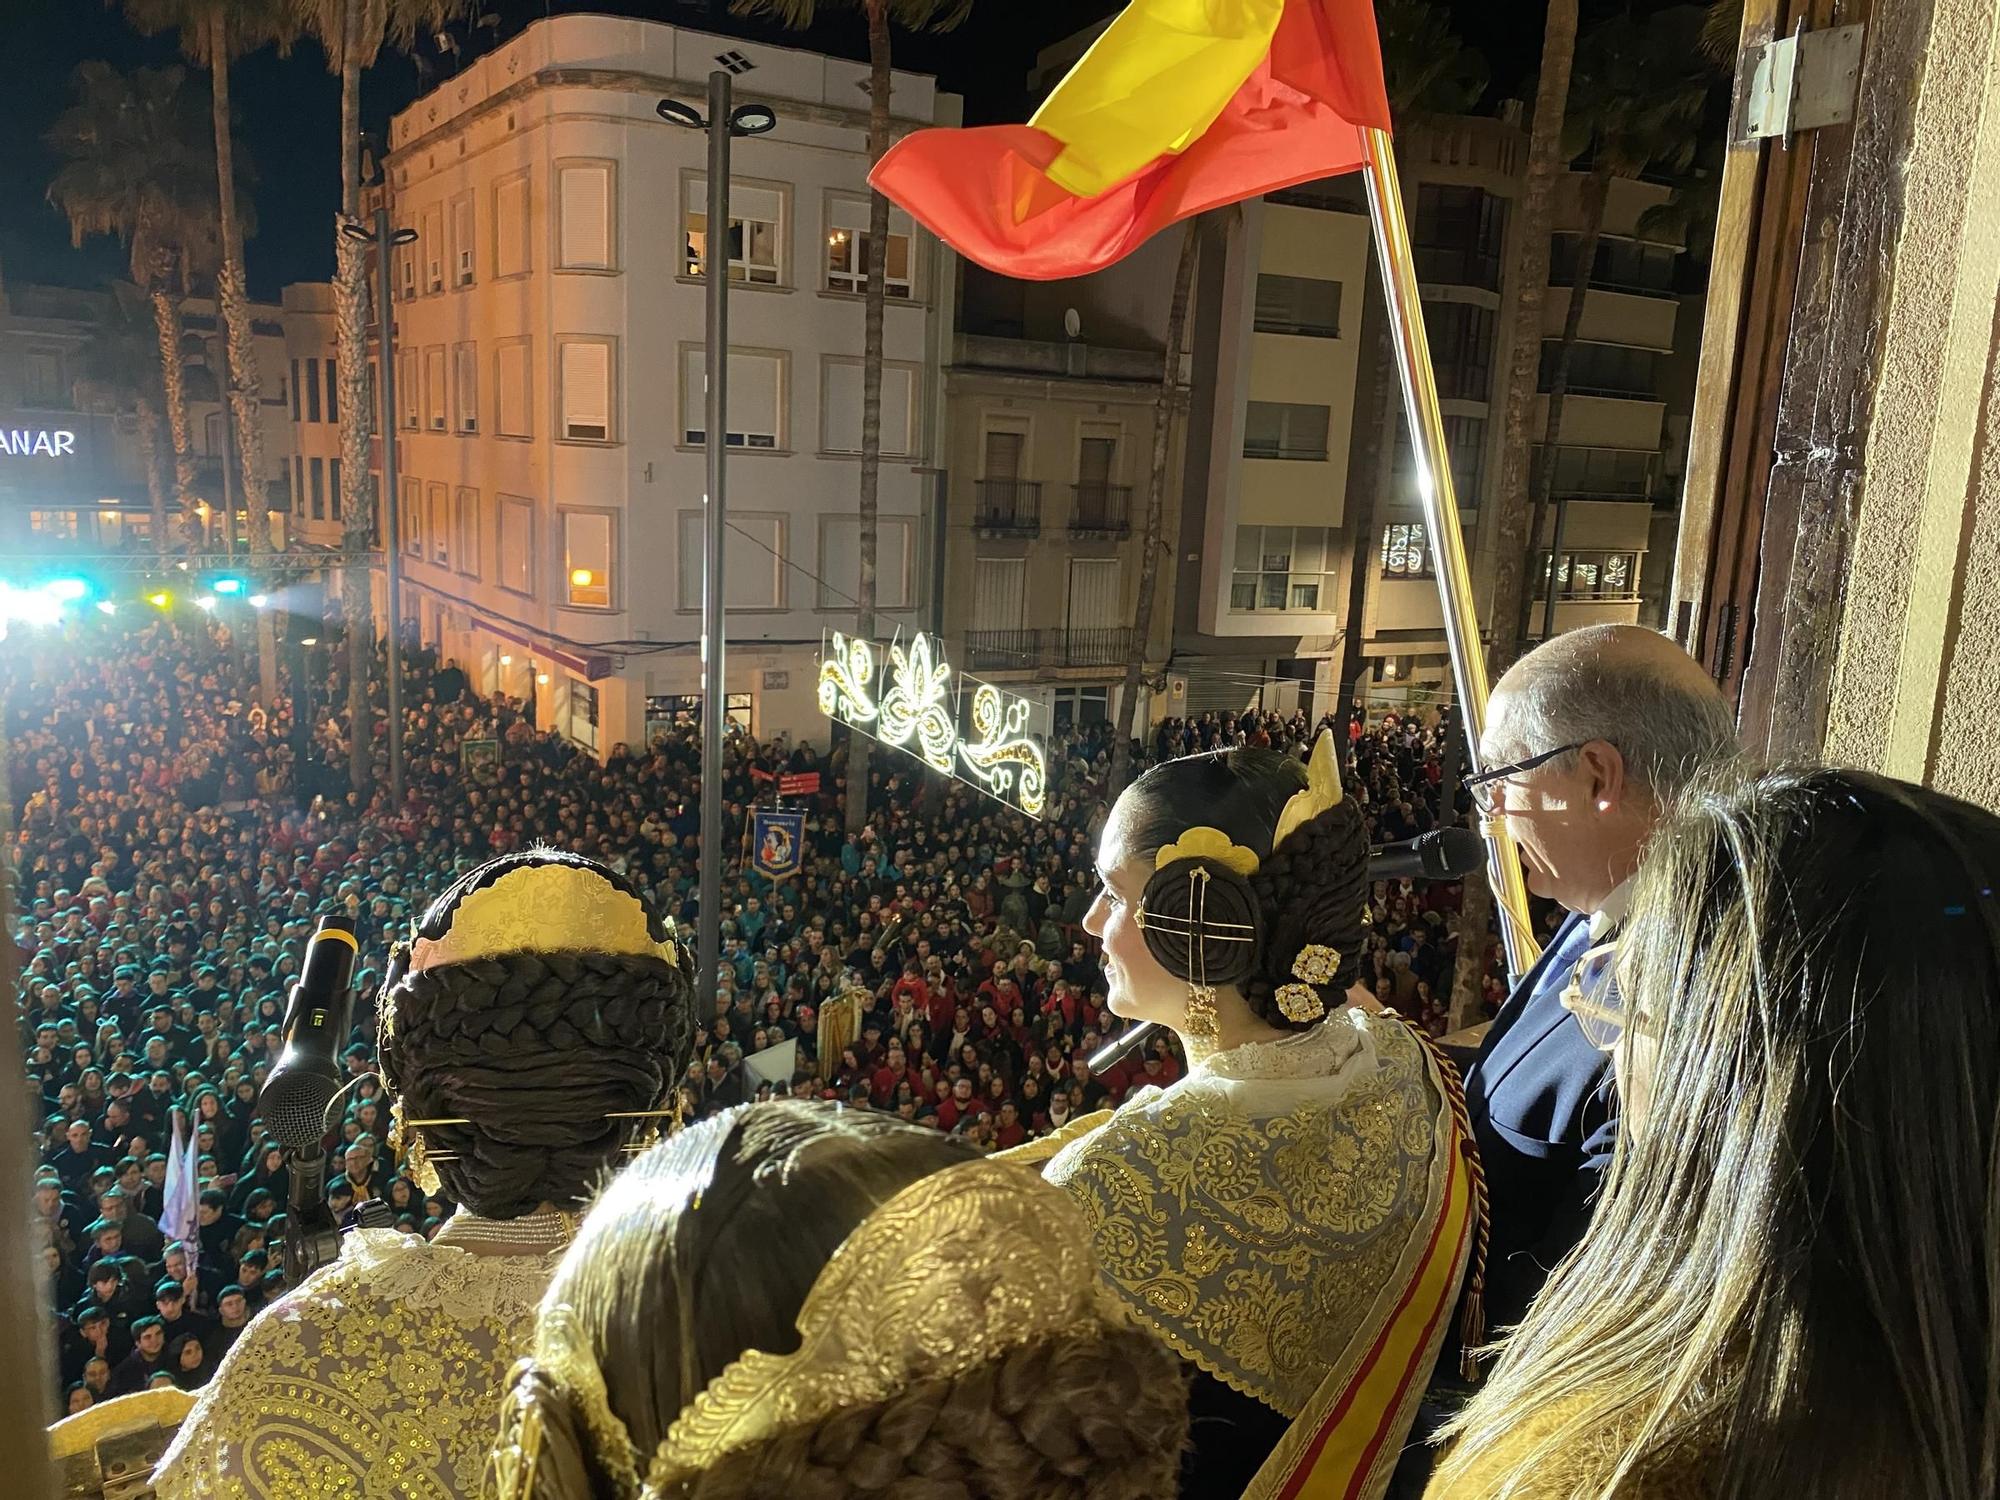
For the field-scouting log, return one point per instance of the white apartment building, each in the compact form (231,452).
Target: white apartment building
(312,388)
(1263,552)
(549,335)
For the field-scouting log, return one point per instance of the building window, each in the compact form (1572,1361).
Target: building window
(583,382)
(434,391)
(756,553)
(1298,304)
(1606,576)
(840,561)
(1461,339)
(587,547)
(409,397)
(576,712)
(587,204)
(840,412)
(849,255)
(756,230)
(1635,266)
(406,271)
(437,523)
(297,506)
(465,361)
(1460,233)
(312,390)
(512,414)
(1613,370)
(510,227)
(1281,568)
(756,398)
(1601,473)
(999,605)
(432,244)
(1406,551)
(411,517)
(465,531)
(1465,444)
(1076,708)
(316,473)
(1284,429)
(42,384)
(463,245)
(54,525)
(295,391)
(332,391)
(516,553)
(333,488)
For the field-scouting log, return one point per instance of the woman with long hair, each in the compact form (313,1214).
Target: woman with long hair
(797,1299)
(532,1031)
(1788,1288)
(1302,1201)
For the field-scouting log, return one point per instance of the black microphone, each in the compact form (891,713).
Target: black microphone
(1442,854)
(307,1075)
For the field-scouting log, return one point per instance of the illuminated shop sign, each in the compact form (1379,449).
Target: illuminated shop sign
(36,442)
(904,695)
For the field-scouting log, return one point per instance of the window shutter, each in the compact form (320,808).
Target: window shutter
(999,593)
(586,217)
(586,384)
(754,398)
(1093,594)
(513,414)
(434,396)
(510,233)
(898,412)
(690,559)
(843,406)
(461,241)
(468,387)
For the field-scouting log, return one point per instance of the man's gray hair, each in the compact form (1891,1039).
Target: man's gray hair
(1662,712)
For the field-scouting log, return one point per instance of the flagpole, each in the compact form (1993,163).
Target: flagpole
(1438,496)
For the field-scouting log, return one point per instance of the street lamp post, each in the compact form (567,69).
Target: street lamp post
(722,123)
(385,239)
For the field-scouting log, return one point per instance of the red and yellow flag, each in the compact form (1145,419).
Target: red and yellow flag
(1181,106)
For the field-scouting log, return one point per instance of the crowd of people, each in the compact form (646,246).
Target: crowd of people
(170,874)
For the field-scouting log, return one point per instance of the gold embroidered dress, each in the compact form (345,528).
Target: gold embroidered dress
(381,1376)
(1294,1217)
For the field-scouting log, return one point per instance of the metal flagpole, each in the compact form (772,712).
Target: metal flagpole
(1440,502)
(715,271)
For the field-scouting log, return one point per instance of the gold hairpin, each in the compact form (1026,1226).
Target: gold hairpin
(1203,842)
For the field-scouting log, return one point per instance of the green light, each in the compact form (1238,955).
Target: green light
(226,586)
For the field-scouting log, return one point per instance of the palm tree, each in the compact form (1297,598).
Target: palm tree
(138,164)
(122,365)
(1430,73)
(213,35)
(1152,538)
(1636,102)
(353,34)
(911,15)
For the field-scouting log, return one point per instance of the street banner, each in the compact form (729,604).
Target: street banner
(778,843)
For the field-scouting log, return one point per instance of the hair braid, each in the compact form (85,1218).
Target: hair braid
(534,1051)
(1312,889)
(1096,1415)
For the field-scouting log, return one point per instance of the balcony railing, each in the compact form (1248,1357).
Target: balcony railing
(1102,509)
(1009,507)
(1023,650)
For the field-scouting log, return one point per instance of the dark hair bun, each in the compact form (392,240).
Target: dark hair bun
(1199,895)
(1313,889)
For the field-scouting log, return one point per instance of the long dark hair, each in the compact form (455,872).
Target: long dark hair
(1790,1284)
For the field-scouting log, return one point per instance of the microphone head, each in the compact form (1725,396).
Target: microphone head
(1458,852)
(293,1103)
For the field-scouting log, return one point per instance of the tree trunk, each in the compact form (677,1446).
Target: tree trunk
(357,410)
(149,455)
(1510,532)
(1596,194)
(875,297)
(173,384)
(245,390)
(1152,538)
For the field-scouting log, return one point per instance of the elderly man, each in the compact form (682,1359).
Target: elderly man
(1589,738)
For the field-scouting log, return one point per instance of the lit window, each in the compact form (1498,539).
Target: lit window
(756,230)
(1281,568)
(1406,551)
(848,253)
(587,548)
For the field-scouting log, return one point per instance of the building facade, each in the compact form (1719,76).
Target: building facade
(549,374)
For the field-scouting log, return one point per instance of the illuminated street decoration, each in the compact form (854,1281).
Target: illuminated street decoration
(915,714)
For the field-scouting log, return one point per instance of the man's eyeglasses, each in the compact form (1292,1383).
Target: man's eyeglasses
(1485,787)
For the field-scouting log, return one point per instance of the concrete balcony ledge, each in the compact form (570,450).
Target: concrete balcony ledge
(1073,360)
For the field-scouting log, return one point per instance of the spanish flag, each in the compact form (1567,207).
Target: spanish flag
(1180,106)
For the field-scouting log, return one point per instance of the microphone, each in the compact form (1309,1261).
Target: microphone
(1442,854)
(307,1075)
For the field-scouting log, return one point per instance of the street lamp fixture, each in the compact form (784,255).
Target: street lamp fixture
(745,119)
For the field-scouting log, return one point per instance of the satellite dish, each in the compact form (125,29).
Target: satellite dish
(1072,324)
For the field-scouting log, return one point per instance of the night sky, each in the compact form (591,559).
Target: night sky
(288,109)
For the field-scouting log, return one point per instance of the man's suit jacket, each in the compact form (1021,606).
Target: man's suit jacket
(1543,1103)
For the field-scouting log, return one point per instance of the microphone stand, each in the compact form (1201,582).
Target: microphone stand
(312,1237)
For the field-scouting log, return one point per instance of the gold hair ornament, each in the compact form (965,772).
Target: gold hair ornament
(1316,964)
(552,908)
(1203,842)
(1321,793)
(1300,1002)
